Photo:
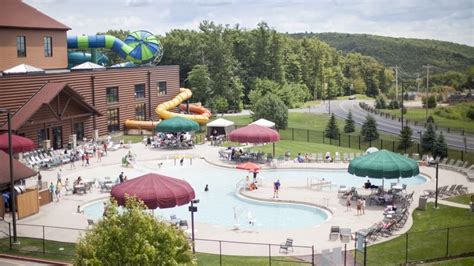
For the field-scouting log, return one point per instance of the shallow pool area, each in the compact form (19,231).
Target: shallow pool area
(221,206)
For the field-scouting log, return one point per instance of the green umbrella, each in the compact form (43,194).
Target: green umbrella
(383,164)
(177,124)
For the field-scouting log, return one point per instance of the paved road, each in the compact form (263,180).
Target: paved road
(341,108)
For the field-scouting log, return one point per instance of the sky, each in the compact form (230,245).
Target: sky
(446,20)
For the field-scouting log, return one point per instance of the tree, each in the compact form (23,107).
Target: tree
(432,102)
(428,138)
(440,147)
(200,83)
(369,129)
(270,107)
(349,127)
(220,104)
(380,102)
(430,119)
(405,138)
(332,131)
(132,237)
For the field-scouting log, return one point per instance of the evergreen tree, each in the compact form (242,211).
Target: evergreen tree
(332,131)
(440,147)
(369,129)
(349,127)
(428,139)
(430,119)
(405,138)
(200,83)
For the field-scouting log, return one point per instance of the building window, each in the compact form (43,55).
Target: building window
(21,46)
(79,130)
(112,95)
(162,88)
(139,91)
(48,46)
(140,111)
(113,123)
(41,136)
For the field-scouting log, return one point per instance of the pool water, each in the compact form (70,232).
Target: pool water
(220,206)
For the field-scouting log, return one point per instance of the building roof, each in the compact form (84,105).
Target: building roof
(264,123)
(220,122)
(44,96)
(88,66)
(16,14)
(23,69)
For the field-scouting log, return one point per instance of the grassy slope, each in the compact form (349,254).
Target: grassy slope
(463,199)
(431,244)
(419,114)
(409,53)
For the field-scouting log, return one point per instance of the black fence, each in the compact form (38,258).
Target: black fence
(431,245)
(357,142)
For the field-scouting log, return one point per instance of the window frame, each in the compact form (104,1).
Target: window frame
(48,48)
(21,46)
(79,127)
(158,87)
(140,111)
(142,94)
(113,120)
(111,96)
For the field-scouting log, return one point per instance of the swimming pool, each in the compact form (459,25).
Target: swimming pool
(220,206)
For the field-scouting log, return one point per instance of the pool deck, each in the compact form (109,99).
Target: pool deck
(63,213)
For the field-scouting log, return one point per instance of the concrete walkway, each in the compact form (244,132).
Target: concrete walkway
(454,204)
(63,213)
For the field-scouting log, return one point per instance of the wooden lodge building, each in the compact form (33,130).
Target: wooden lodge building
(56,103)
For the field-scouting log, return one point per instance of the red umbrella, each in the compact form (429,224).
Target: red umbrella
(248,166)
(20,144)
(254,134)
(156,191)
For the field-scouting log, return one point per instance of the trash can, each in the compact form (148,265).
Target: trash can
(69,146)
(422,203)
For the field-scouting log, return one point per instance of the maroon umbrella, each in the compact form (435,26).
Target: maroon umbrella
(20,144)
(254,134)
(156,191)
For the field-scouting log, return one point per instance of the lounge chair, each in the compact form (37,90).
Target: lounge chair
(450,191)
(174,220)
(335,232)
(345,157)
(319,158)
(460,190)
(342,189)
(183,223)
(345,235)
(337,157)
(90,223)
(444,161)
(442,190)
(286,246)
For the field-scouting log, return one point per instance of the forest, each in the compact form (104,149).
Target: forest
(229,67)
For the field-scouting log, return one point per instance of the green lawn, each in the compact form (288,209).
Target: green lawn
(311,103)
(296,147)
(424,244)
(444,121)
(455,262)
(463,199)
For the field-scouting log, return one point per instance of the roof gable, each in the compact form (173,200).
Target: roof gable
(16,14)
(43,97)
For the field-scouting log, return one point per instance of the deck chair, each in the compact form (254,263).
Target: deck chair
(449,191)
(337,157)
(345,157)
(90,223)
(442,190)
(334,233)
(345,235)
(286,246)
(174,220)
(460,190)
(183,223)
(444,161)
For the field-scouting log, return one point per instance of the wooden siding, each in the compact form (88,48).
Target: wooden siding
(34,40)
(16,90)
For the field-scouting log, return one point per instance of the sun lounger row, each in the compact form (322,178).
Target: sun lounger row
(46,159)
(447,191)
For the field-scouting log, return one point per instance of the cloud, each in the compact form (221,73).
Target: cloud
(139,2)
(449,20)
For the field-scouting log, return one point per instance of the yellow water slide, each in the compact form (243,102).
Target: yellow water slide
(162,109)
(202,116)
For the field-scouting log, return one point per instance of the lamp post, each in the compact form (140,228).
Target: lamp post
(193,209)
(10,158)
(436,198)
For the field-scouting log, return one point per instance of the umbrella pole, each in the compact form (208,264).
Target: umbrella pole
(12,183)
(273,149)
